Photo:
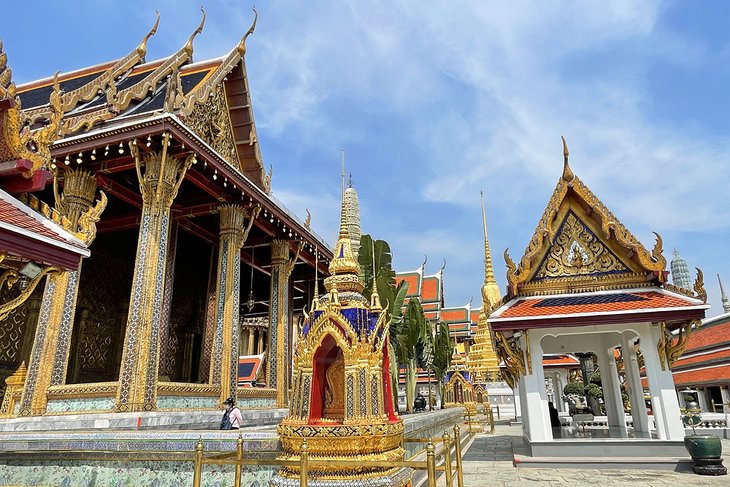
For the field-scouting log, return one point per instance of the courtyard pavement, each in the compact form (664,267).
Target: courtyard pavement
(488,462)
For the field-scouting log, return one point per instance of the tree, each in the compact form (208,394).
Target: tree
(441,356)
(408,335)
(375,260)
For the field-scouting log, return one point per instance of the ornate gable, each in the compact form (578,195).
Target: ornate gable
(212,123)
(579,245)
(577,251)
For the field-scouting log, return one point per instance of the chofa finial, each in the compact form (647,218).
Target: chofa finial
(241,47)
(567,172)
(189,44)
(142,48)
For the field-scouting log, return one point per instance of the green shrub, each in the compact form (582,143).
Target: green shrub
(574,388)
(594,390)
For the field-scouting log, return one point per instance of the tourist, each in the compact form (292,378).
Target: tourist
(232,418)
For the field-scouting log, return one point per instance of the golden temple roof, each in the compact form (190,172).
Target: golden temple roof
(579,245)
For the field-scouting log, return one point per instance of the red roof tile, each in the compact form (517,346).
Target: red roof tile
(429,289)
(705,357)
(705,337)
(11,214)
(704,376)
(563,306)
(411,280)
(560,361)
(458,314)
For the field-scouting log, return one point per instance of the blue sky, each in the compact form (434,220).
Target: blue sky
(434,100)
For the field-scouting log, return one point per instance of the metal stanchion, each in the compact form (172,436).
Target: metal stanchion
(430,462)
(197,472)
(303,464)
(239,458)
(447,459)
(457,447)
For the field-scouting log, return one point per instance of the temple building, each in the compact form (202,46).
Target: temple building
(138,192)
(586,284)
(702,373)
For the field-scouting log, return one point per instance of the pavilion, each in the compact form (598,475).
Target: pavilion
(586,284)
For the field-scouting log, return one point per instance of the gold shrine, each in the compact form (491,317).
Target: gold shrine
(343,403)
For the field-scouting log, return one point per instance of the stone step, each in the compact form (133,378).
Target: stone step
(622,463)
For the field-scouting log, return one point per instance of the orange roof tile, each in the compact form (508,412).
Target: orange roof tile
(705,357)
(560,361)
(411,280)
(703,376)
(429,289)
(593,303)
(452,315)
(707,336)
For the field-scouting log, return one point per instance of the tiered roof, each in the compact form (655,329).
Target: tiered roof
(706,360)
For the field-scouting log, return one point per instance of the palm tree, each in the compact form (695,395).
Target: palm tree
(408,336)
(375,259)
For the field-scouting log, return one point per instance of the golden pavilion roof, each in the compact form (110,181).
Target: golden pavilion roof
(579,245)
(117,93)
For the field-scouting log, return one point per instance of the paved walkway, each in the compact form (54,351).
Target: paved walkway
(489,462)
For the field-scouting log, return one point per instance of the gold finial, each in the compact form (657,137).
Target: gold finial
(142,48)
(189,45)
(567,172)
(490,289)
(344,264)
(241,47)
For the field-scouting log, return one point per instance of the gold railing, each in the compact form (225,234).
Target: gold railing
(471,421)
(305,464)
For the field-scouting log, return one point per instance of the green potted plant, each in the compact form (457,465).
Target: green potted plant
(704,449)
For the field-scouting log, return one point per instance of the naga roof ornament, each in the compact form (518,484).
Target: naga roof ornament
(580,245)
(17,140)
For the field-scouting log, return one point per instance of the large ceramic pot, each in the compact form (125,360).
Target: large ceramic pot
(705,451)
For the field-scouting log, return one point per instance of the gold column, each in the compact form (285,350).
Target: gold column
(49,354)
(260,346)
(249,349)
(224,356)
(159,185)
(278,350)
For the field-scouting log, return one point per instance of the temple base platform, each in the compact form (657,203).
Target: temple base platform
(101,456)
(154,420)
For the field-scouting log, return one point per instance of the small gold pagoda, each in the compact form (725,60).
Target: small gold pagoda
(483,363)
(342,404)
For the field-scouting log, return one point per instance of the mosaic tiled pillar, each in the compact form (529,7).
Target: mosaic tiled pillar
(278,351)
(167,299)
(224,355)
(48,360)
(159,177)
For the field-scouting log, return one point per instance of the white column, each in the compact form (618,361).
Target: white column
(636,392)
(661,387)
(725,392)
(612,391)
(518,403)
(535,411)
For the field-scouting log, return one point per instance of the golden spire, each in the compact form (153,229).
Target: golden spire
(490,289)
(567,172)
(344,269)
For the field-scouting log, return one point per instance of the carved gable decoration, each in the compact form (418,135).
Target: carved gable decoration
(580,245)
(577,251)
(212,123)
